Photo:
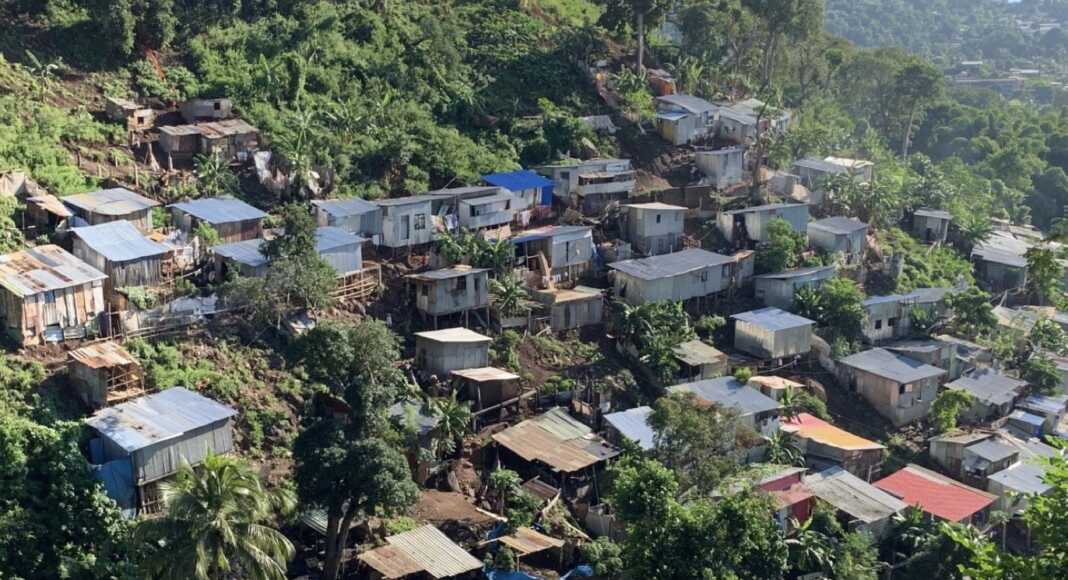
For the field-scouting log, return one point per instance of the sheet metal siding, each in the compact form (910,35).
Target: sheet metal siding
(143,272)
(723,168)
(780,293)
(90,383)
(443,358)
(365,224)
(766,343)
(495,213)
(164,458)
(757,222)
(578,313)
(392,218)
(850,244)
(882,313)
(939,227)
(444,298)
(572,250)
(344,259)
(682,287)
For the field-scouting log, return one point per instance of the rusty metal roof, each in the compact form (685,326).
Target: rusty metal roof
(43,269)
(103,355)
(423,549)
(557,440)
(51,204)
(526,541)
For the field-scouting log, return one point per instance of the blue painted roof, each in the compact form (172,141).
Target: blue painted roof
(517,180)
(634,425)
(157,417)
(119,241)
(220,210)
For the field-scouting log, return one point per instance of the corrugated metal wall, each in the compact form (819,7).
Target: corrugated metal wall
(441,358)
(164,458)
(446,299)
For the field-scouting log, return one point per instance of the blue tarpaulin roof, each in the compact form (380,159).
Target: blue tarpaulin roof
(520,180)
(119,241)
(117,478)
(517,180)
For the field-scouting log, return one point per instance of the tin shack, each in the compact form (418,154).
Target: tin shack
(232,218)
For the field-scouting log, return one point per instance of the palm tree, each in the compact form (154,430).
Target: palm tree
(498,255)
(790,405)
(509,296)
(781,450)
(453,422)
(972,228)
(215,525)
(214,176)
(810,550)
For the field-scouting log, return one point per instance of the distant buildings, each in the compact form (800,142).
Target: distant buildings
(741,226)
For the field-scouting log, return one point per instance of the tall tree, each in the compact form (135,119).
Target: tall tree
(343,463)
(798,19)
(915,86)
(620,14)
(1045,276)
(216,525)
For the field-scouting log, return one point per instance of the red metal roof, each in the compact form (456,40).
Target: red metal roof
(935,494)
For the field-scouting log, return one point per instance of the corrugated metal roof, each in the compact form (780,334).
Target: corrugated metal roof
(839,225)
(458,334)
(1025,417)
(224,128)
(446,273)
(1003,248)
(328,238)
(118,201)
(483,374)
(810,427)
(51,204)
(772,318)
(992,450)
(423,549)
(517,180)
(552,232)
(655,205)
(634,425)
(157,417)
(462,191)
(934,213)
(873,300)
(790,274)
(667,265)
(44,268)
(1023,478)
(557,440)
(247,252)
(854,496)
(766,207)
(822,165)
(847,162)
(893,366)
(989,386)
(931,295)
(103,355)
(345,207)
(695,105)
(1044,405)
(935,493)
(119,241)
(409,200)
(526,541)
(696,352)
(729,392)
(485,199)
(220,210)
